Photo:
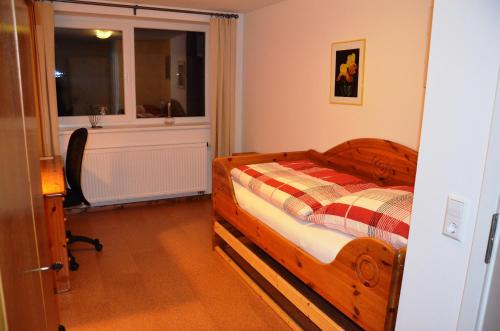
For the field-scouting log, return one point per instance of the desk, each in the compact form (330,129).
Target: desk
(54,190)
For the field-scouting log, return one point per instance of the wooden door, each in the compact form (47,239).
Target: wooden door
(28,297)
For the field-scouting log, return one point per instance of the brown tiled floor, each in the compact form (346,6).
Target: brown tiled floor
(157,272)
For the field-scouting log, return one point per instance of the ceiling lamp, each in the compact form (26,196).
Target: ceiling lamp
(103,34)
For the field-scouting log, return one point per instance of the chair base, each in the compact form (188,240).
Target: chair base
(73,265)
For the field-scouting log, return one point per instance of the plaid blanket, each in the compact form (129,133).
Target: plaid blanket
(298,187)
(382,213)
(336,200)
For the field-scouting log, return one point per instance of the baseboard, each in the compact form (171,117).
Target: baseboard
(155,202)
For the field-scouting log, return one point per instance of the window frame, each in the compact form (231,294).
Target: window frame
(127,26)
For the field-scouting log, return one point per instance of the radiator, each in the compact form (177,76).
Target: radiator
(137,173)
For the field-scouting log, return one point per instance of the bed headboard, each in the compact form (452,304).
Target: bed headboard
(381,161)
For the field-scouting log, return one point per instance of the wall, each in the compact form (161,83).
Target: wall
(287,72)
(463,74)
(178,55)
(151,84)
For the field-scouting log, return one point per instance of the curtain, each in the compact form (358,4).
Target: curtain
(222,84)
(46,84)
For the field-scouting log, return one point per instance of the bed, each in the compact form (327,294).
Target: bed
(361,277)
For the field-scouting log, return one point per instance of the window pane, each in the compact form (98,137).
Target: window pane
(89,71)
(169,71)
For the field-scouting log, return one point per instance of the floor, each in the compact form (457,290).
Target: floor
(157,271)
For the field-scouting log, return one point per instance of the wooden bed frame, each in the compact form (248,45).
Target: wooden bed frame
(364,280)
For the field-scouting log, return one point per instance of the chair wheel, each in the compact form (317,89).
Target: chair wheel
(98,245)
(73,265)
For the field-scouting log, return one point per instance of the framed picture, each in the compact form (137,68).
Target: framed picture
(346,75)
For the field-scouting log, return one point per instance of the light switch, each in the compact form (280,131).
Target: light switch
(455,218)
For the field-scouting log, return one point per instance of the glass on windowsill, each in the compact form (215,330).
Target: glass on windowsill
(96,114)
(169,120)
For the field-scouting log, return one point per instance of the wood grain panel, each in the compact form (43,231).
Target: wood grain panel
(54,214)
(52,173)
(29,299)
(54,189)
(380,161)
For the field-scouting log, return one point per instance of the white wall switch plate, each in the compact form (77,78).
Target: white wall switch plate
(454,219)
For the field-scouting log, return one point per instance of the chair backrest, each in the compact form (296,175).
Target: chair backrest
(74,158)
(176,108)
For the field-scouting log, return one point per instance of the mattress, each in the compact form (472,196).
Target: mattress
(322,243)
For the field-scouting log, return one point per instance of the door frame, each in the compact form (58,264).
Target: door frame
(3,314)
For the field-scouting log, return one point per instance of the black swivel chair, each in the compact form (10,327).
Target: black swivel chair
(74,194)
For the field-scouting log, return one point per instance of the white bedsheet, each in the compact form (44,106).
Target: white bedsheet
(322,243)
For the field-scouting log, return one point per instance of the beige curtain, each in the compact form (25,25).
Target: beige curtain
(222,83)
(45,65)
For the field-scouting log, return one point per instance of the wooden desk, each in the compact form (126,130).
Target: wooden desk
(54,190)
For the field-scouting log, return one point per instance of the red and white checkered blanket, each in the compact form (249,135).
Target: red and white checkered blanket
(298,187)
(336,200)
(383,213)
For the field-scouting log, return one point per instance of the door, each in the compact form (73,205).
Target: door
(479,309)
(488,317)
(27,298)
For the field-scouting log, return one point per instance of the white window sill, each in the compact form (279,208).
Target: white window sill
(137,127)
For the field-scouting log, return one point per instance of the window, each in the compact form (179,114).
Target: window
(169,73)
(89,71)
(135,71)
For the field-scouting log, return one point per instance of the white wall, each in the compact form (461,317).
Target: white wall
(463,72)
(287,73)
(178,55)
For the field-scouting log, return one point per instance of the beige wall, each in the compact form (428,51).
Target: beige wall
(286,73)
(151,85)
(178,50)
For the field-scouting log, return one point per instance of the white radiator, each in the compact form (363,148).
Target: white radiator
(137,173)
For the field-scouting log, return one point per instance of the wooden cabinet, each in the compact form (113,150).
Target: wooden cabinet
(53,188)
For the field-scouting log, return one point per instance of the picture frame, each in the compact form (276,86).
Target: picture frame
(347,66)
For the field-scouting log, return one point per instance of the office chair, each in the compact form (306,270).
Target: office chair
(74,194)
(176,109)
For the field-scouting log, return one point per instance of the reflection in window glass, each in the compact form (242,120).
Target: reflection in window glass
(89,71)
(169,73)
